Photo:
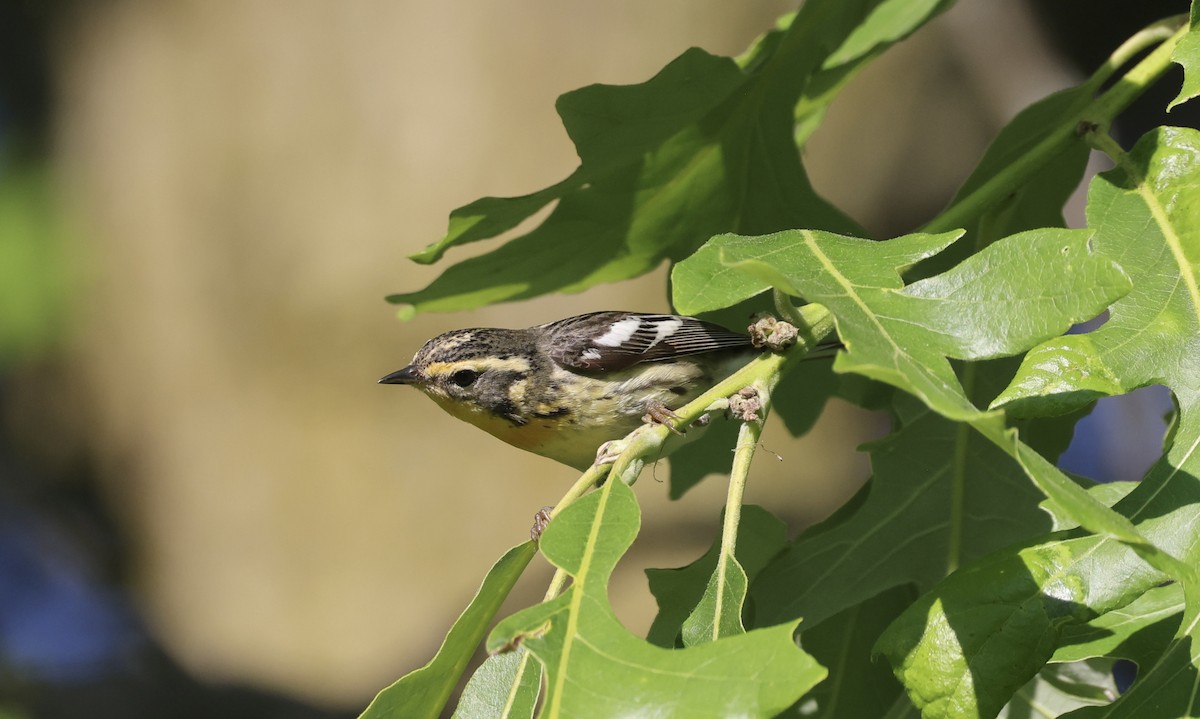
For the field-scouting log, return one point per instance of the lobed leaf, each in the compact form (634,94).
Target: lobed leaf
(1036,203)
(859,687)
(1014,293)
(1144,214)
(1062,687)
(760,537)
(704,147)
(1187,55)
(1171,687)
(940,496)
(1138,631)
(595,667)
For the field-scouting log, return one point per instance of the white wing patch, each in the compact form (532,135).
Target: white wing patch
(591,353)
(619,333)
(664,330)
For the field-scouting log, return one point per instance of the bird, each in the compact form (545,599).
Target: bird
(565,388)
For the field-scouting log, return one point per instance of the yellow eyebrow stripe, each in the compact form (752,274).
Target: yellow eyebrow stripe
(481,364)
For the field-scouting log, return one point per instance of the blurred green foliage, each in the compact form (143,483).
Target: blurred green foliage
(35,273)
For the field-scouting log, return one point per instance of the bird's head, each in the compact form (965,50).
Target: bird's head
(473,371)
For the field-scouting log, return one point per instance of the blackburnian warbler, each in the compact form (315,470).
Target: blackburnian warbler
(564,388)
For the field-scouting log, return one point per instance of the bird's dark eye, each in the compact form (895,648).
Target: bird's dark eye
(464,377)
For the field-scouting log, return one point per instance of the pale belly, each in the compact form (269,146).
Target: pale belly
(572,440)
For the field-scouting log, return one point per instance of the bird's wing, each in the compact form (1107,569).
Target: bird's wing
(606,341)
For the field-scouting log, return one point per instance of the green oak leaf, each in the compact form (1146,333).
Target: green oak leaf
(1138,631)
(1039,203)
(505,686)
(1108,494)
(1062,687)
(903,335)
(1146,216)
(964,649)
(596,667)
(425,691)
(760,537)
(1146,212)
(1171,686)
(719,612)
(1000,301)
(966,497)
(888,22)
(859,687)
(708,145)
(984,631)
(1187,54)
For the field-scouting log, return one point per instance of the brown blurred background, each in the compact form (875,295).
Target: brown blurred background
(236,187)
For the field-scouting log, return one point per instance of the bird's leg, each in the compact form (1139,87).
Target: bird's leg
(658,413)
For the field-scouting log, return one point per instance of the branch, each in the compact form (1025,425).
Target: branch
(1099,113)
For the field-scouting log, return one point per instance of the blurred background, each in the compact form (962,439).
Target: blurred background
(207,505)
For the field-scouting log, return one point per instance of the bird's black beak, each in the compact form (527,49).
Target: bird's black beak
(401,376)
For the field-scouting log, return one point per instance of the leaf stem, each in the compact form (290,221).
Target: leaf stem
(1101,141)
(747,441)
(1153,33)
(814,323)
(743,455)
(1141,76)
(585,482)
(786,309)
(1099,112)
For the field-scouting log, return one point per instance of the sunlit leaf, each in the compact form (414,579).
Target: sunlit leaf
(1187,54)
(1017,291)
(596,667)
(1145,213)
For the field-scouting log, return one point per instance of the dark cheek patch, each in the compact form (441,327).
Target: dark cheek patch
(493,393)
(678,390)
